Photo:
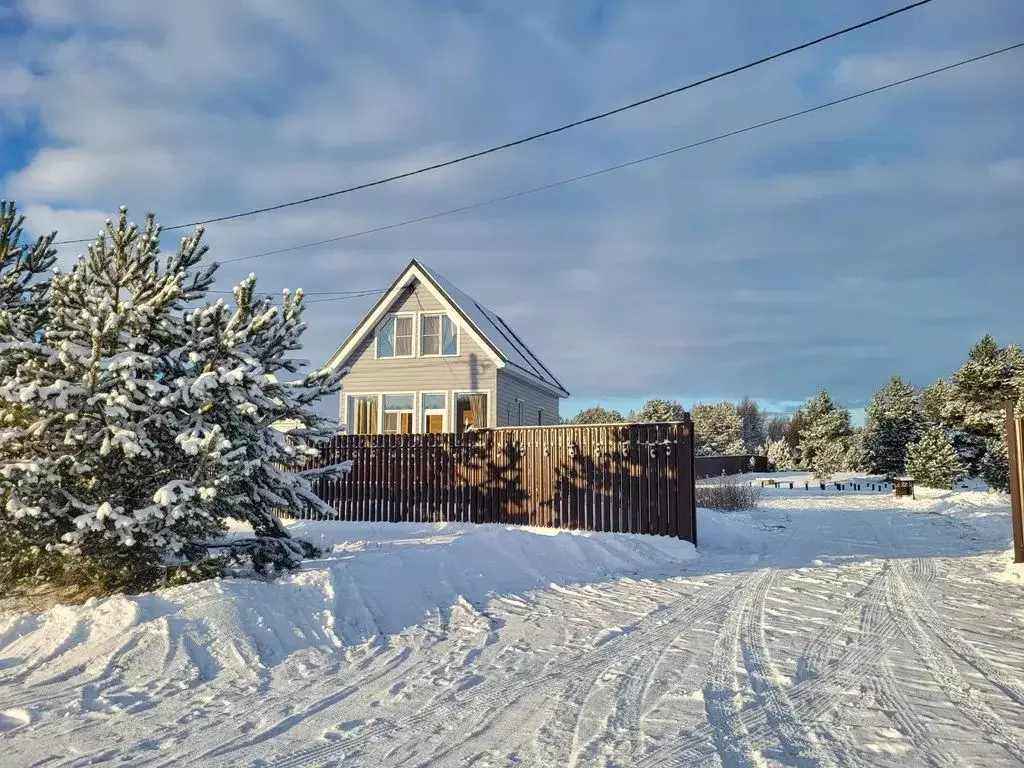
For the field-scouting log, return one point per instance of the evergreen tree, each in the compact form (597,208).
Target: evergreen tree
(752,428)
(776,428)
(139,426)
(793,429)
(936,402)
(717,428)
(995,466)
(23,285)
(971,405)
(983,385)
(659,410)
(856,457)
(823,427)
(780,456)
(597,415)
(932,460)
(894,420)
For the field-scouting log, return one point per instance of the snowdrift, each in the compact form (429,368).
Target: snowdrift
(377,579)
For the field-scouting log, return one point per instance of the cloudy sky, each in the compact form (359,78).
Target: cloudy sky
(883,236)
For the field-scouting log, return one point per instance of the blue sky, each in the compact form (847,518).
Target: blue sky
(880,237)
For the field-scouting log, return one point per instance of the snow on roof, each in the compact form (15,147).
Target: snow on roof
(497,332)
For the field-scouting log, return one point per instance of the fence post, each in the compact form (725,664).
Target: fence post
(1015,457)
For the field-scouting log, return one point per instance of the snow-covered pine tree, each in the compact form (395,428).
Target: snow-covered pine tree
(597,415)
(717,428)
(971,405)
(982,386)
(23,283)
(780,456)
(775,428)
(140,426)
(895,419)
(995,465)
(937,402)
(943,407)
(659,410)
(932,460)
(855,457)
(823,427)
(752,429)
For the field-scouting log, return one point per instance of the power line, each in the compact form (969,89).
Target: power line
(316,293)
(638,161)
(542,134)
(337,295)
(372,292)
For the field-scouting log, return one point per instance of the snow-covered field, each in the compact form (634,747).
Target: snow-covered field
(835,628)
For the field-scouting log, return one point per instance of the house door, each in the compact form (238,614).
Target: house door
(433,406)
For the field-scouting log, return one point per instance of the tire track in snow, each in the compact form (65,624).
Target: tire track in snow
(812,698)
(628,694)
(589,666)
(897,708)
(944,671)
(501,697)
(953,640)
(798,741)
(632,690)
(723,703)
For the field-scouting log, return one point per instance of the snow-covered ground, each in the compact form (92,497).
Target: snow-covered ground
(826,628)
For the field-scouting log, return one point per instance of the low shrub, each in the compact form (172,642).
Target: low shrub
(727,494)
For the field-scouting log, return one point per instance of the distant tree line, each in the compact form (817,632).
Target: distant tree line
(951,429)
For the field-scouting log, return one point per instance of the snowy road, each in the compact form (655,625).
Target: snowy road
(826,629)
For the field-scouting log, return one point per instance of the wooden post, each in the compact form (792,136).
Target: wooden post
(1015,455)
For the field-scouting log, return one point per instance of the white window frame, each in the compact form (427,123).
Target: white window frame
(415,337)
(424,412)
(491,406)
(419,335)
(348,409)
(413,410)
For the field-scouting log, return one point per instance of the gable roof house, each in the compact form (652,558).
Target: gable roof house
(429,358)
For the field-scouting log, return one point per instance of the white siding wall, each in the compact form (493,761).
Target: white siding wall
(472,370)
(534,398)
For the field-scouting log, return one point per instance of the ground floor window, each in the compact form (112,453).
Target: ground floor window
(470,411)
(398,411)
(434,410)
(362,414)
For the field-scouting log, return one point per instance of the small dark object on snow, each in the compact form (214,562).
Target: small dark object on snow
(903,486)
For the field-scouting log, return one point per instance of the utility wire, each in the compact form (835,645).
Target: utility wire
(647,158)
(542,134)
(373,292)
(316,293)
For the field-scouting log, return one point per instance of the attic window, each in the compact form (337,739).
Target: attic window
(438,336)
(394,339)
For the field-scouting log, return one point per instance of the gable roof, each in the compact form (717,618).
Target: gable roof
(485,326)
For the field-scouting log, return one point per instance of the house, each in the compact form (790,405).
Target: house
(429,358)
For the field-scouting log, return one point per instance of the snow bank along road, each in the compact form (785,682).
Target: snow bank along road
(827,629)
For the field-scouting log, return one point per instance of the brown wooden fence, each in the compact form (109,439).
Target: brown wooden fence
(1015,453)
(736,464)
(635,478)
